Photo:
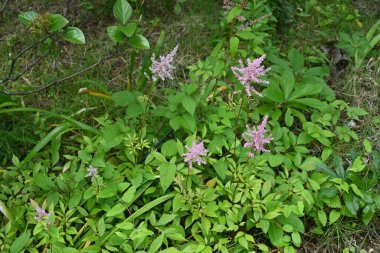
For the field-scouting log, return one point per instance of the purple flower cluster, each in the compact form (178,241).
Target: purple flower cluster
(163,68)
(228,5)
(194,154)
(255,137)
(43,215)
(92,172)
(251,73)
(252,22)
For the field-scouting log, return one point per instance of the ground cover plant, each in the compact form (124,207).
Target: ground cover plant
(248,147)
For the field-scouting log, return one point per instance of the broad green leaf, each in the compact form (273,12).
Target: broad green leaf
(19,244)
(334,216)
(123,98)
(296,59)
(296,238)
(117,209)
(289,119)
(122,11)
(287,83)
(44,182)
(129,195)
(101,227)
(188,122)
(165,218)
(156,244)
(357,165)
(135,215)
(367,146)
(74,35)
(26,18)
(167,173)
(115,33)
(356,190)
(235,11)
(129,29)
(189,104)
(305,90)
(57,22)
(234,45)
(139,41)
(322,217)
(275,234)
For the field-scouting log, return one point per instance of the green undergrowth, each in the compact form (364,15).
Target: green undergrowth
(205,162)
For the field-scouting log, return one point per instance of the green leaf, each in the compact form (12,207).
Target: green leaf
(167,173)
(367,146)
(129,29)
(115,33)
(135,215)
(26,18)
(234,45)
(188,122)
(123,98)
(165,219)
(75,198)
(57,22)
(101,227)
(296,59)
(235,11)
(356,190)
(129,194)
(357,165)
(322,217)
(289,119)
(139,41)
(19,244)
(117,209)
(275,234)
(189,104)
(334,216)
(122,11)
(296,238)
(74,35)
(44,182)
(156,244)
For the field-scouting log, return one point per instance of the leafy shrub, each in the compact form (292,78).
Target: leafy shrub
(239,159)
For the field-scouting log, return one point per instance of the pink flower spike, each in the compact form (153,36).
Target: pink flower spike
(92,172)
(194,154)
(163,68)
(254,138)
(251,73)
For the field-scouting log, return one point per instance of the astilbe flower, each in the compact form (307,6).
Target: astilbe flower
(163,68)
(252,22)
(251,73)
(194,154)
(92,172)
(43,215)
(254,138)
